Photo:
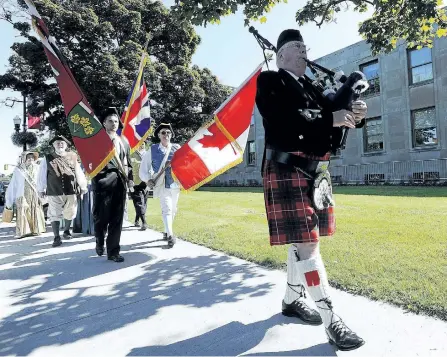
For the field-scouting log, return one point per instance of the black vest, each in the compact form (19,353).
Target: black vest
(61,177)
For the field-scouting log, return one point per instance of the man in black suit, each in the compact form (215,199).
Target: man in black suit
(110,190)
(302,128)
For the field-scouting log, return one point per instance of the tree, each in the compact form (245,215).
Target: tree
(102,40)
(416,21)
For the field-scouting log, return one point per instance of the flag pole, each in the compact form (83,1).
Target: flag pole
(238,88)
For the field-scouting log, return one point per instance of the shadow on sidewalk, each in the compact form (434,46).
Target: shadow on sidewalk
(233,339)
(79,308)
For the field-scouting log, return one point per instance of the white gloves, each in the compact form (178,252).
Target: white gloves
(350,118)
(359,109)
(344,118)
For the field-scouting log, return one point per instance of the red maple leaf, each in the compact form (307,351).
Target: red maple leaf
(216,140)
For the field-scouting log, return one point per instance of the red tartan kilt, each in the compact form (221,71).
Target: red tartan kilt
(290,214)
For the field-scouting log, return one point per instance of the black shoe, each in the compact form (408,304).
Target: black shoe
(57,242)
(143,227)
(165,236)
(171,241)
(99,250)
(299,309)
(137,224)
(116,258)
(67,235)
(342,337)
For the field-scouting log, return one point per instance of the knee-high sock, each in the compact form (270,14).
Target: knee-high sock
(55,225)
(67,225)
(295,287)
(314,275)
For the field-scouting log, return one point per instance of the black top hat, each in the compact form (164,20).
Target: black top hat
(288,36)
(59,137)
(111,111)
(163,126)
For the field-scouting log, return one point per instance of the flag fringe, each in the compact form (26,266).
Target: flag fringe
(209,178)
(103,163)
(143,139)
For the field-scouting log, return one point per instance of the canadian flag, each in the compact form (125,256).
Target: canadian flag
(220,145)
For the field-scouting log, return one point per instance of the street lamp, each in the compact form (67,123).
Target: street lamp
(17,121)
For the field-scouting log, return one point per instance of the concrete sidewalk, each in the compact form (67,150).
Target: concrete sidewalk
(188,300)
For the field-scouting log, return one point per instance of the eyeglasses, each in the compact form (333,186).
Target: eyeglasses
(165,133)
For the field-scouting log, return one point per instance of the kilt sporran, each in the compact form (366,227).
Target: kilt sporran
(321,188)
(320,192)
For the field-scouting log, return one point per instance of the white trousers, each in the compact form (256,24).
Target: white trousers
(168,201)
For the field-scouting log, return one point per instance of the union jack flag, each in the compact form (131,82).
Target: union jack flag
(136,117)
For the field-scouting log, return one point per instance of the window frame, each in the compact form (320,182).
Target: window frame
(413,129)
(369,93)
(249,153)
(410,68)
(365,136)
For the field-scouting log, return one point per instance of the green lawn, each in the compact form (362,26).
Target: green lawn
(390,243)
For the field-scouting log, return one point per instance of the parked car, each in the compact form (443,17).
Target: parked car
(3,187)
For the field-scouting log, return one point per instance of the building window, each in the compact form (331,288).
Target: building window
(252,122)
(373,135)
(251,153)
(424,127)
(371,72)
(421,68)
(337,154)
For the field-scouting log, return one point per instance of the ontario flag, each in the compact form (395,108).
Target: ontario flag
(136,117)
(219,145)
(94,146)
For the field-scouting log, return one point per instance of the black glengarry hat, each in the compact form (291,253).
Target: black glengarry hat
(288,36)
(111,111)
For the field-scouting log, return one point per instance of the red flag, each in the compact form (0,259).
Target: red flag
(94,146)
(33,122)
(220,145)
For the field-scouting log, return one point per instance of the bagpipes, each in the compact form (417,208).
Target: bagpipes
(340,89)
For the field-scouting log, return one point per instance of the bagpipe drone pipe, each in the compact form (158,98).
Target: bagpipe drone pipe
(340,89)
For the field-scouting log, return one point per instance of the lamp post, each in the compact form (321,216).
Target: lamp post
(17,119)
(17,122)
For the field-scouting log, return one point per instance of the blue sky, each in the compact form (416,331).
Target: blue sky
(228,49)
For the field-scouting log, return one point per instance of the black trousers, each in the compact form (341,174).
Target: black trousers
(139,202)
(108,215)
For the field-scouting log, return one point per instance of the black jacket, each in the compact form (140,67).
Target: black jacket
(280,100)
(107,178)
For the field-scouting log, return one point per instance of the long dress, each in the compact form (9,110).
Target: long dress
(30,216)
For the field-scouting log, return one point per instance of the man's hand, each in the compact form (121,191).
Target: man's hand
(359,108)
(344,118)
(131,184)
(151,184)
